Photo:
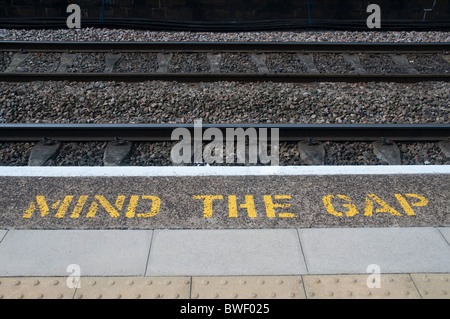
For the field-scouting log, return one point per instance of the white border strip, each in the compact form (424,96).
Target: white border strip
(132,171)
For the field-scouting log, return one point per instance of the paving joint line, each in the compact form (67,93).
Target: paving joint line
(442,235)
(149,251)
(415,285)
(301,249)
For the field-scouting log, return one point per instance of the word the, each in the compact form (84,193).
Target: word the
(213,152)
(74,20)
(249,205)
(114,210)
(370,200)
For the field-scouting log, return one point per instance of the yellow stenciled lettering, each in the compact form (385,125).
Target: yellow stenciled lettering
(407,207)
(270,206)
(232,206)
(208,203)
(42,204)
(352,210)
(44,209)
(154,210)
(63,207)
(106,205)
(79,206)
(131,210)
(156,204)
(249,205)
(385,208)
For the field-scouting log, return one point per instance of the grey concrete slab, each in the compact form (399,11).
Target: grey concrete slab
(445,231)
(97,252)
(394,250)
(225,252)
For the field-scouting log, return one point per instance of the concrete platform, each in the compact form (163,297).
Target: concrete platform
(232,252)
(369,232)
(245,263)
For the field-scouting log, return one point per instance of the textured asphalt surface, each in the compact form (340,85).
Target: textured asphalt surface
(23,201)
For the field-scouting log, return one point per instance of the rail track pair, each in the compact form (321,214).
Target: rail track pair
(162,132)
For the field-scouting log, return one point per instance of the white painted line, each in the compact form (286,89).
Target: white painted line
(131,171)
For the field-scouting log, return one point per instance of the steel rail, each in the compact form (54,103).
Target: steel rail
(335,47)
(163,132)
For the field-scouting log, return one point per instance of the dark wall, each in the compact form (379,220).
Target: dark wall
(226,10)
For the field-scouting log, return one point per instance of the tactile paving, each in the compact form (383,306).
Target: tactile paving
(433,286)
(134,288)
(35,288)
(397,286)
(248,287)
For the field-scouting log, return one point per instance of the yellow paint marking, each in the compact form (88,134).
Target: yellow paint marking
(270,206)
(423,201)
(131,211)
(134,200)
(407,202)
(79,206)
(29,211)
(107,206)
(56,204)
(92,210)
(249,205)
(232,206)
(352,210)
(369,205)
(156,204)
(64,206)
(208,203)
(43,207)
(385,208)
(119,201)
(42,204)
(407,207)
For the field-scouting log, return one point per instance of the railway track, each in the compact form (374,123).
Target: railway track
(210,62)
(155,141)
(165,212)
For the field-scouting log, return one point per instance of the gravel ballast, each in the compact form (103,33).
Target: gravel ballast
(97,34)
(224,102)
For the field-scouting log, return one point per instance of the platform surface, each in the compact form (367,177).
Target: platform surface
(263,234)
